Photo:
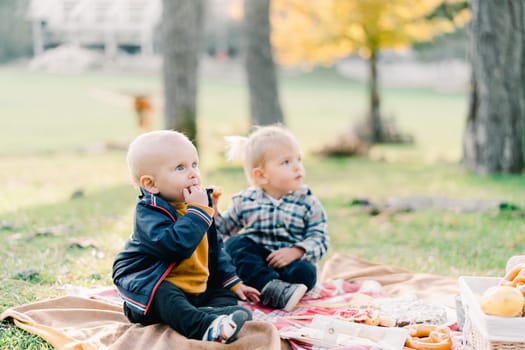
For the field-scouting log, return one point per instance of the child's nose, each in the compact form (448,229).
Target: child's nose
(194,173)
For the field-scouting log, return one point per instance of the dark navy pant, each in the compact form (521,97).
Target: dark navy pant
(250,260)
(190,315)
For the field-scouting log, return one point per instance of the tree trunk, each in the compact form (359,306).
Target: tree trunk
(182,30)
(374,123)
(494,132)
(15,30)
(260,68)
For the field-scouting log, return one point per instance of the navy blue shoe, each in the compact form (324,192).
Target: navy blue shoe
(282,295)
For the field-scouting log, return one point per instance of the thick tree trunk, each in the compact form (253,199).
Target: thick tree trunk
(15,30)
(375,128)
(182,30)
(494,133)
(265,107)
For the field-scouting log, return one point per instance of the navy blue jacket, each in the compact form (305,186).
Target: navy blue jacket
(160,240)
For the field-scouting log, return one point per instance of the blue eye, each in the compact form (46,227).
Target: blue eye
(194,165)
(286,162)
(179,167)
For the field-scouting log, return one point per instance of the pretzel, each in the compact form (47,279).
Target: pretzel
(505,283)
(519,279)
(428,337)
(515,277)
(514,272)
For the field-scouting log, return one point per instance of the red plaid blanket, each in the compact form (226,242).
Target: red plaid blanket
(328,299)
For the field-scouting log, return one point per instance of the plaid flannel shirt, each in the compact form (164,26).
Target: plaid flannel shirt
(296,219)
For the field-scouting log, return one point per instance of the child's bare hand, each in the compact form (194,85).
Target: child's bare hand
(284,256)
(246,293)
(195,194)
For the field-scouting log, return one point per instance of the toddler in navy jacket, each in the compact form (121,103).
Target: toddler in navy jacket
(173,269)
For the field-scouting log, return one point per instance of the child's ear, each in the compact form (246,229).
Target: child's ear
(259,177)
(147,182)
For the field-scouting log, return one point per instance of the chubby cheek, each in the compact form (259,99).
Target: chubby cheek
(178,196)
(177,189)
(291,183)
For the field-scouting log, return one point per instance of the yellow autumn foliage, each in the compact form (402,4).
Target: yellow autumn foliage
(322,31)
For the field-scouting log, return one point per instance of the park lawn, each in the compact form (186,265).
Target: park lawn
(66,203)
(43,112)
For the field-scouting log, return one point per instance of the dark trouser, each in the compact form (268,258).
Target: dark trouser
(250,260)
(190,315)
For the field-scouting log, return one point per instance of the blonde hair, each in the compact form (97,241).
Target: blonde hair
(146,149)
(252,150)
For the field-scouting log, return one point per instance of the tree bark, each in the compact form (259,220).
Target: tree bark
(494,133)
(265,107)
(375,127)
(182,31)
(15,30)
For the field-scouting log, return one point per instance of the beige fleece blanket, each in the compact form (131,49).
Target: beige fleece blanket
(395,281)
(76,323)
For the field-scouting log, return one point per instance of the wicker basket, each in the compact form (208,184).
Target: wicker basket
(475,340)
(482,332)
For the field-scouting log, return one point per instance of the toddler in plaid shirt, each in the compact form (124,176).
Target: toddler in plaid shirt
(276,229)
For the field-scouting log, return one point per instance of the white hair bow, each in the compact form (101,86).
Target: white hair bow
(235,147)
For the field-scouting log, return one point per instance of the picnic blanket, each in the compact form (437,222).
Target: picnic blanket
(73,322)
(395,281)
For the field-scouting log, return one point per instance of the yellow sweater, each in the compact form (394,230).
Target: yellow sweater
(191,275)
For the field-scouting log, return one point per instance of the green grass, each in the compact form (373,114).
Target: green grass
(45,112)
(15,338)
(55,136)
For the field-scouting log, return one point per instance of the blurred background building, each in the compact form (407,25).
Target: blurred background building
(112,25)
(79,35)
